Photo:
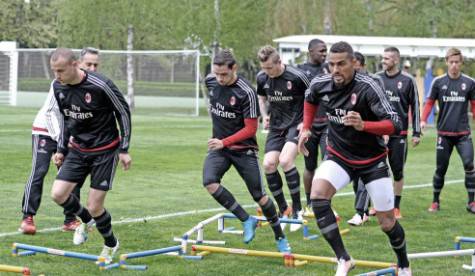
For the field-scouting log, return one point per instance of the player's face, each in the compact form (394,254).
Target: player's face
(224,74)
(318,53)
(358,67)
(341,67)
(390,60)
(271,68)
(65,71)
(454,64)
(89,62)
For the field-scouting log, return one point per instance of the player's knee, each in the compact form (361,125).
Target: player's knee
(270,166)
(95,209)
(469,169)
(386,222)
(212,187)
(262,200)
(58,196)
(286,163)
(42,170)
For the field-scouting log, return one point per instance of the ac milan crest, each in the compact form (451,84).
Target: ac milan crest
(87,97)
(289,85)
(463,86)
(42,143)
(353,99)
(232,100)
(399,85)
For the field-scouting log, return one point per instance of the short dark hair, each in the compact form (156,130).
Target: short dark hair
(224,57)
(393,49)
(89,50)
(359,57)
(342,47)
(314,42)
(65,53)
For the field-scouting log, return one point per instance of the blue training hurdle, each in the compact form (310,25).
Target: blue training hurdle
(30,250)
(172,250)
(391,271)
(459,240)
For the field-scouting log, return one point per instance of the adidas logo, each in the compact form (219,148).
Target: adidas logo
(325,98)
(266,86)
(104,183)
(402,141)
(381,165)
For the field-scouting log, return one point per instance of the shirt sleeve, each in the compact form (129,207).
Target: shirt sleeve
(261,80)
(64,134)
(250,104)
(52,114)
(380,106)
(122,114)
(434,90)
(415,107)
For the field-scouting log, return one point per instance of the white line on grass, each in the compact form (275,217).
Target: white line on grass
(193,212)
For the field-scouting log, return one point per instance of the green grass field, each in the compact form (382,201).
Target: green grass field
(168,153)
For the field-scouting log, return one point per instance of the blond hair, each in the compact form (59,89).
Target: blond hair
(453,52)
(268,52)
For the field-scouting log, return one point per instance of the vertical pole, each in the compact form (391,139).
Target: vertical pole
(197,84)
(130,67)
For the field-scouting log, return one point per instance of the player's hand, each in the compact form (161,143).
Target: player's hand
(303,138)
(353,118)
(299,127)
(58,159)
(415,141)
(266,122)
(215,144)
(386,139)
(423,125)
(126,160)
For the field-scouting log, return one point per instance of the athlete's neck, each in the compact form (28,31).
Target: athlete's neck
(394,71)
(454,75)
(281,71)
(79,77)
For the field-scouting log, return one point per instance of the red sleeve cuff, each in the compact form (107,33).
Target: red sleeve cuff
(248,131)
(427,109)
(472,103)
(309,111)
(380,128)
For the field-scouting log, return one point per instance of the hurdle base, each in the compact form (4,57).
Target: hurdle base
(468,267)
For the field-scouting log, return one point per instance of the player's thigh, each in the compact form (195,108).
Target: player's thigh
(312,147)
(247,165)
(95,199)
(215,165)
(74,168)
(465,150)
(334,172)
(323,144)
(288,154)
(382,194)
(397,154)
(275,141)
(103,169)
(444,149)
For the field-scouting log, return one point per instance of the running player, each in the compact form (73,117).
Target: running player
(45,136)
(283,87)
(91,106)
(453,91)
(359,114)
(234,111)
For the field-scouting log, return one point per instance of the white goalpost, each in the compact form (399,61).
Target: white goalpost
(166,82)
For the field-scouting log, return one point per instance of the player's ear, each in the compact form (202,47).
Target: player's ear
(234,67)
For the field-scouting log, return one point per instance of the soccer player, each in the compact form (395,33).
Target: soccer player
(317,53)
(45,136)
(234,111)
(91,106)
(283,87)
(361,195)
(359,113)
(452,91)
(401,89)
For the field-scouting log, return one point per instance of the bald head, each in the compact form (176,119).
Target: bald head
(63,53)
(64,65)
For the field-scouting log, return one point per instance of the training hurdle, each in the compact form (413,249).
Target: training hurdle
(451,253)
(15,269)
(290,259)
(391,271)
(30,250)
(459,240)
(172,250)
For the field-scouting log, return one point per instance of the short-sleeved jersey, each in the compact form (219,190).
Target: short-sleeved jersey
(90,112)
(312,70)
(285,94)
(229,106)
(362,95)
(401,89)
(453,96)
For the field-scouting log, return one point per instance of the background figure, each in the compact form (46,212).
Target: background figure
(234,112)
(453,91)
(45,136)
(315,66)
(401,89)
